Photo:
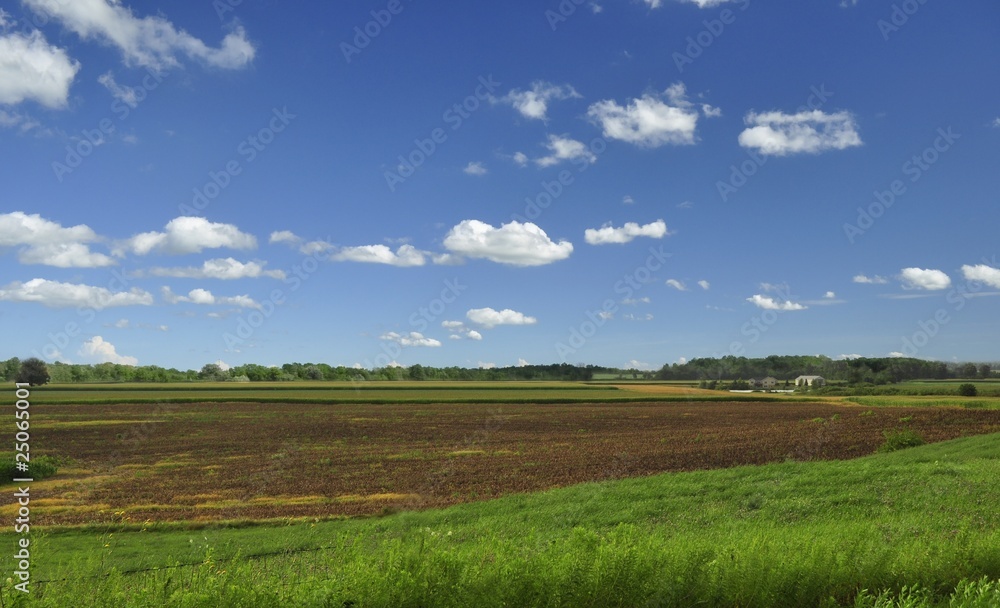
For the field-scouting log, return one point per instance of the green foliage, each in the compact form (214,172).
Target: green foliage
(863,370)
(40,467)
(34,372)
(900,440)
(212,372)
(967,390)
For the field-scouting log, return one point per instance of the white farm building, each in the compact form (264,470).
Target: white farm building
(810,381)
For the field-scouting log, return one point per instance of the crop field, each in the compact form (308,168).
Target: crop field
(137,463)
(367,392)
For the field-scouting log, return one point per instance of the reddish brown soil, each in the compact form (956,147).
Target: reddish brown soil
(254,461)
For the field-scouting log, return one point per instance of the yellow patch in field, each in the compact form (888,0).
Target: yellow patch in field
(171,463)
(375,497)
(466,452)
(197,497)
(133,467)
(62,424)
(411,455)
(289,500)
(263,501)
(10,511)
(52,502)
(56,485)
(364,419)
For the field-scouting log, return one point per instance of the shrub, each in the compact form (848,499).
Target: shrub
(967,390)
(900,440)
(40,467)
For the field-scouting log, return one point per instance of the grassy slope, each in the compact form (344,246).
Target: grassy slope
(789,534)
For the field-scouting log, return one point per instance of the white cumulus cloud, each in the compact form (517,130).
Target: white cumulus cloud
(704,285)
(457,330)
(33,69)
(284,236)
(609,234)
(152,42)
(769,303)
(921,278)
(99,350)
(405,255)
(679,286)
(475,168)
(226,269)
(54,294)
(185,235)
(565,149)
(534,103)
(983,274)
(810,132)
(490,318)
(41,241)
(650,121)
(206,297)
(866,280)
(515,243)
(411,339)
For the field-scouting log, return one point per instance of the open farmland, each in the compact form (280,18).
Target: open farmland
(368,392)
(238,461)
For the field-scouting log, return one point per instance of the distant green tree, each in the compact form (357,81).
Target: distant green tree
(967,390)
(967,371)
(33,371)
(212,372)
(985,371)
(10,368)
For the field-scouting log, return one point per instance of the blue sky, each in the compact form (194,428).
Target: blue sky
(624,183)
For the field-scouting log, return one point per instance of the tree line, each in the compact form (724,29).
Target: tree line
(861,370)
(252,372)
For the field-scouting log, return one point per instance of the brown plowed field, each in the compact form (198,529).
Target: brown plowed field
(223,461)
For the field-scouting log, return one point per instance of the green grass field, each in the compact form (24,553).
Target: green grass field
(914,525)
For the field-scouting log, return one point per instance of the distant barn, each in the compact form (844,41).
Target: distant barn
(810,381)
